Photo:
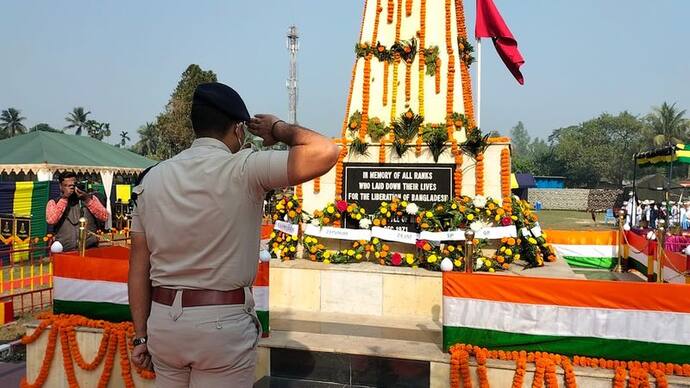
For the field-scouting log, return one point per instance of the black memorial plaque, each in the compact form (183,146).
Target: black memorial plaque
(370,184)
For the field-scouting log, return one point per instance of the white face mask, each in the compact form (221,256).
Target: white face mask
(243,129)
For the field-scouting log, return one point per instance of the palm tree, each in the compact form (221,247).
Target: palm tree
(77,119)
(11,122)
(124,138)
(149,139)
(667,125)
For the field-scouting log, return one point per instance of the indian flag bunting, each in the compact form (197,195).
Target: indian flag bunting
(93,286)
(612,320)
(260,290)
(585,249)
(641,250)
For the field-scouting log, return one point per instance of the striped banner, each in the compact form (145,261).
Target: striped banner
(260,290)
(603,319)
(585,249)
(26,199)
(94,286)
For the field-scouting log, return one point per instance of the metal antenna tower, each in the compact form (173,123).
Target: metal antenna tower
(292,46)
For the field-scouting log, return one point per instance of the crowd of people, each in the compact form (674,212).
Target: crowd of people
(646,213)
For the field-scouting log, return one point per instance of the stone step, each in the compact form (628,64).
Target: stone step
(281,382)
(372,351)
(401,337)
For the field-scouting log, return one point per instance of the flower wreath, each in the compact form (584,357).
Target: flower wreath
(380,250)
(328,215)
(288,209)
(533,250)
(507,252)
(283,245)
(318,252)
(394,208)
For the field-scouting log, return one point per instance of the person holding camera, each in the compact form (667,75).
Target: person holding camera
(65,212)
(195,241)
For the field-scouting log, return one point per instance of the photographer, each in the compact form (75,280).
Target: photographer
(65,213)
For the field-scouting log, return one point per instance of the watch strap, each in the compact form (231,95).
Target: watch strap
(139,341)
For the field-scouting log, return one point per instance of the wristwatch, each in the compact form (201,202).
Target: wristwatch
(140,341)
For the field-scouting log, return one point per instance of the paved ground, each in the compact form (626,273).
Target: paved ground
(11,374)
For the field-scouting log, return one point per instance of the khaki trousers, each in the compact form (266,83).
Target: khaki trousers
(206,346)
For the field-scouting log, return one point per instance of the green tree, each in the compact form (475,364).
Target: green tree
(98,130)
(667,125)
(11,123)
(520,141)
(78,119)
(599,150)
(44,127)
(149,140)
(124,138)
(174,123)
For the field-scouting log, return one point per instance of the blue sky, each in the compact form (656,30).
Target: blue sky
(122,59)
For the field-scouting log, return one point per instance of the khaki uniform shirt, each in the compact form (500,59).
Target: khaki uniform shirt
(201,213)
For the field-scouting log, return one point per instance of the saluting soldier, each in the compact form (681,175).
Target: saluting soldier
(195,241)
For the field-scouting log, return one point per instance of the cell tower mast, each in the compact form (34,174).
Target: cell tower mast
(292,46)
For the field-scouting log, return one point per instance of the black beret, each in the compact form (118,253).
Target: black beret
(223,98)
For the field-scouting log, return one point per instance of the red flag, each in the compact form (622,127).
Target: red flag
(490,24)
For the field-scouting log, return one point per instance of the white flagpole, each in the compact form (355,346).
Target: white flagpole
(479,83)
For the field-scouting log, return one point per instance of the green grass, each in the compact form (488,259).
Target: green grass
(572,220)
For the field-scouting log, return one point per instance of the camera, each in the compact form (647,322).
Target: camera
(83,185)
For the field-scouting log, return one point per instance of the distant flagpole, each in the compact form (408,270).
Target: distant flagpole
(479,83)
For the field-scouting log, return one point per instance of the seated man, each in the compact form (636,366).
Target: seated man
(65,213)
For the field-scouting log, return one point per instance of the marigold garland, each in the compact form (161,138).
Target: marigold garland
(398,20)
(546,367)
(67,358)
(482,372)
(457,175)
(366,84)
(619,378)
(519,377)
(76,354)
(660,377)
(339,170)
(538,381)
(437,76)
(386,65)
(317,185)
(451,61)
(394,91)
(422,61)
(382,150)
(465,76)
(109,363)
(505,180)
(115,338)
(455,369)
(408,79)
(389,15)
(479,175)
(551,379)
(408,8)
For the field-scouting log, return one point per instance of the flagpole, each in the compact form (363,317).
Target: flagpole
(479,83)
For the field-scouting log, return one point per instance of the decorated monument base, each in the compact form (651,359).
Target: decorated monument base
(92,320)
